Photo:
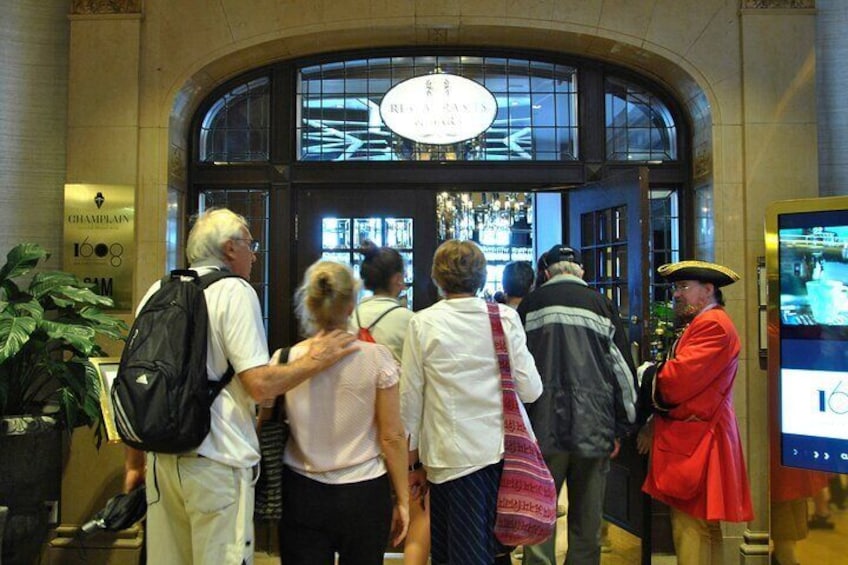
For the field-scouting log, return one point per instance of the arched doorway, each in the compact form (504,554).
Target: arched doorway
(300,148)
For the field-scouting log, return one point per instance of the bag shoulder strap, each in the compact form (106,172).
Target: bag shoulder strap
(380,317)
(278,413)
(212,277)
(513,421)
(500,344)
(205,281)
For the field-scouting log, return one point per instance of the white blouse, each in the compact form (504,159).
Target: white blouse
(451,400)
(391,329)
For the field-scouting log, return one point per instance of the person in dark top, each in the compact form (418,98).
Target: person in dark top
(589,399)
(517,281)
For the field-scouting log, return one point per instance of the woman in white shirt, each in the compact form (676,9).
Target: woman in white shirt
(452,407)
(382,272)
(347,449)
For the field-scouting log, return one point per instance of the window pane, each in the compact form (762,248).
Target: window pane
(640,127)
(253,204)
(227,130)
(339,114)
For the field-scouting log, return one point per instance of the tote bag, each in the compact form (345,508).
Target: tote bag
(527,496)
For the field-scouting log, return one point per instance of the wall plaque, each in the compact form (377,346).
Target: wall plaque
(99,238)
(438,109)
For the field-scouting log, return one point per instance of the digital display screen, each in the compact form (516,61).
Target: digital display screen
(813,376)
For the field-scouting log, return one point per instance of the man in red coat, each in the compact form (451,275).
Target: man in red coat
(696,463)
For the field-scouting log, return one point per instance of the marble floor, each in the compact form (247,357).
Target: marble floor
(623,550)
(822,547)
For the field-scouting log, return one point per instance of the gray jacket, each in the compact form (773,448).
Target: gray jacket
(578,341)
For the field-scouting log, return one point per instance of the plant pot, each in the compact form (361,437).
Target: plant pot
(30,483)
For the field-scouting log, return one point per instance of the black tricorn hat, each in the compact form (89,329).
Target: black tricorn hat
(698,271)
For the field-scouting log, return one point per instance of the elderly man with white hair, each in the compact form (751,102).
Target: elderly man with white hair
(581,350)
(200,503)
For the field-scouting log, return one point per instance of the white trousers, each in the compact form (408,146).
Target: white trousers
(199,511)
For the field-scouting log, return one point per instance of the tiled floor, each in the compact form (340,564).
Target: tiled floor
(624,550)
(822,547)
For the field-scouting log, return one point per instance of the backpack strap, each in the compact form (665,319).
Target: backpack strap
(177,274)
(205,281)
(210,278)
(380,317)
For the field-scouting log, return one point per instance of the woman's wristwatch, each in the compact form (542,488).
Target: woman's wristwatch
(415,466)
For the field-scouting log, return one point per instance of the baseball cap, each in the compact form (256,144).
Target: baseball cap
(561,252)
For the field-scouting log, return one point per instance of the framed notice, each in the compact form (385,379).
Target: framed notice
(99,235)
(107,369)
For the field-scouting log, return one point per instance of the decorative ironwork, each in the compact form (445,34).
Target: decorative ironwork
(106,6)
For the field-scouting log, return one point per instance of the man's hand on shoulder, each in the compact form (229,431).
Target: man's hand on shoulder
(326,348)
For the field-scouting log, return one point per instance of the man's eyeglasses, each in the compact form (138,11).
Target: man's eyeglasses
(681,287)
(252,244)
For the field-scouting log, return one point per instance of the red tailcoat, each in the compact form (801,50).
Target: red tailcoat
(697,382)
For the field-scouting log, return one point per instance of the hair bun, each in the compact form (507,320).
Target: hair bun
(368,248)
(324,284)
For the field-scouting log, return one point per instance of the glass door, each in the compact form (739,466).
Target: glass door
(342,240)
(501,223)
(609,222)
(333,221)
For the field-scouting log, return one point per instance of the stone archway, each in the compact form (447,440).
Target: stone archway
(693,97)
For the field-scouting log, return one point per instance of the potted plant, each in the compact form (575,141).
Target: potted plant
(662,330)
(50,324)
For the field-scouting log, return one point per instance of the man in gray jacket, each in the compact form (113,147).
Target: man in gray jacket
(589,401)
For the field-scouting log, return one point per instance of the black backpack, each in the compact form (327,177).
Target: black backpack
(161,395)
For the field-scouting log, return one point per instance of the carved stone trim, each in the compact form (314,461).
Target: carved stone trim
(105,7)
(750,4)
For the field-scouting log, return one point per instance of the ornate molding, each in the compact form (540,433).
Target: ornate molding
(750,4)
(703,164)
(88,7)
(177,164)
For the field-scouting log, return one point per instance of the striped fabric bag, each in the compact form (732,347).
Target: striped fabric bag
(527,496)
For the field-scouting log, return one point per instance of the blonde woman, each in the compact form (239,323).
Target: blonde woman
(347,449)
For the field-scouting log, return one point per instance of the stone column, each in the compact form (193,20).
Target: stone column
(33,119)
(831,85)
(103,131)
(780,162)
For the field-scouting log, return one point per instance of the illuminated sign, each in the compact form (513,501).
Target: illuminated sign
(438,109)
(807,267)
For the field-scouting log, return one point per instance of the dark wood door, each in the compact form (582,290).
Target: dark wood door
(608,221)
(358,212)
